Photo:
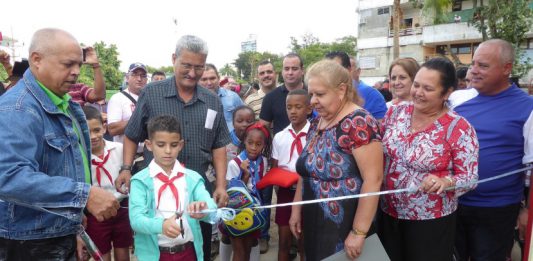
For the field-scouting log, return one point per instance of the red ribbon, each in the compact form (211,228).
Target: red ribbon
(99,167)
(258,126)
(168,183)
(297,142)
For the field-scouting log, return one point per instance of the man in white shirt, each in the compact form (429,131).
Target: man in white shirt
(121,105)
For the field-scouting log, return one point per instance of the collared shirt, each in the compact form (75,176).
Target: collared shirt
(255,100)
(167,203)
(112,165)
(201,119)
(62,105)
(281,147)
(230,101)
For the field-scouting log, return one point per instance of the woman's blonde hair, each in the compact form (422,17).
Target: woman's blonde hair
(333,75)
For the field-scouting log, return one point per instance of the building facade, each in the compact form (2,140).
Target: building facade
(419,37)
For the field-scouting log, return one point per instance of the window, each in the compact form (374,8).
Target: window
(457,5)
(407,23)
(456,49)
(383,10)
(462,49)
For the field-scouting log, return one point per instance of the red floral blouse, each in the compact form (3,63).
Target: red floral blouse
(448,147)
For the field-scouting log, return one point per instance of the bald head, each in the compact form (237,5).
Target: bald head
(506,49)
(47,40)
(55,59)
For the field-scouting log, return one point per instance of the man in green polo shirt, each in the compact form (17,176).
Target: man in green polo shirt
(44,167)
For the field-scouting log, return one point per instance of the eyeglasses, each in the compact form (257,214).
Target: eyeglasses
(142,76)
(188,67)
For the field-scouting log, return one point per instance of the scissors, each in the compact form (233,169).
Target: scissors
(179,215)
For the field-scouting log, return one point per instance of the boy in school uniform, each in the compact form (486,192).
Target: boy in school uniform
(165,199)
(106,159)
(286,148)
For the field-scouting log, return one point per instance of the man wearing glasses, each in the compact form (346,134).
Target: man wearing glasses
(201,117)
(122,104)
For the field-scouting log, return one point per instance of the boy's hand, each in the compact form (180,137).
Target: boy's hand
(171,229)
(196,207)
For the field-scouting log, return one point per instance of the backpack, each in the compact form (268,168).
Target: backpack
(243,200)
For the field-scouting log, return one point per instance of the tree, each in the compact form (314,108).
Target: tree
(312,50)
(247,62)
(509,20)
(438,11)
(228,70)
(165,69)
(109,64)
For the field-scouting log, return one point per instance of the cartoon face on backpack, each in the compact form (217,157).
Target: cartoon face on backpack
(248,219)
(242,221)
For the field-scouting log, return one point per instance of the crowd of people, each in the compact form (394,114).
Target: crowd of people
(148,170)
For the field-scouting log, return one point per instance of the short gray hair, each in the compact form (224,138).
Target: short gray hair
(507,52)
(191,43)
(43,40)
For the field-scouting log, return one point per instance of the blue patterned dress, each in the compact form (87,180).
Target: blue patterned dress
(328,169)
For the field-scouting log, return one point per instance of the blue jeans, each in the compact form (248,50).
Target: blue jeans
(58,248)
(266,197)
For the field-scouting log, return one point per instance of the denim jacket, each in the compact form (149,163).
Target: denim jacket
(41,167)
(147,226)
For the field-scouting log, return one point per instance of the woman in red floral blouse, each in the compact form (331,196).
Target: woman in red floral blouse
(432,148)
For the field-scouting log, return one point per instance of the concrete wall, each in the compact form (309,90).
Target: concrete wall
(383,57)
(450,33)
(373,25)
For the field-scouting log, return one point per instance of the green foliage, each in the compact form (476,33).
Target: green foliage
(165,69)
(312,50)
(247,62)
(3,74)
(109,65)
(509,20)
(228,71)
(436,9)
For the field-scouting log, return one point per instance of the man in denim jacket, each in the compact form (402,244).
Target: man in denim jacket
(44,171)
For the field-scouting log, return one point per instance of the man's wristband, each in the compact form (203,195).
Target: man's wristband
(96,66)
(125,167)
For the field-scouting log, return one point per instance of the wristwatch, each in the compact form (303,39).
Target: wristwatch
(125,167)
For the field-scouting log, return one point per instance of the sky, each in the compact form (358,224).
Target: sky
(144,31)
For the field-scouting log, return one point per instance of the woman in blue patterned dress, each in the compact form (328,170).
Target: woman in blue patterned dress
(343,156)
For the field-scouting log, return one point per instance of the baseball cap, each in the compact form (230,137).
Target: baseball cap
(135,66)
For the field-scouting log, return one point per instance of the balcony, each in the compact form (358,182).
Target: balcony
(450,33)
(407,31)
